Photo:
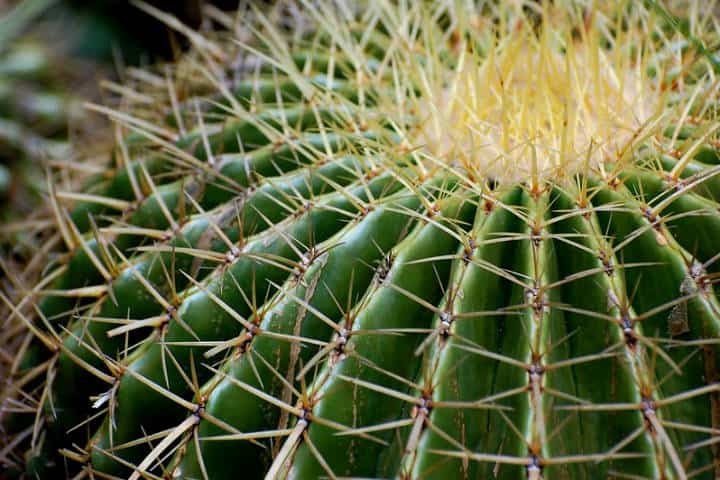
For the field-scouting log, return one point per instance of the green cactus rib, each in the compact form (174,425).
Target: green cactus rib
(149,276)
(259,263)
(167,204)
(329,252)
(162,208)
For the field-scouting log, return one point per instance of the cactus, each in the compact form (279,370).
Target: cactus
(412,240)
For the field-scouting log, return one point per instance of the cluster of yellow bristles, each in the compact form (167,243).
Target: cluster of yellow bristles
(530,95)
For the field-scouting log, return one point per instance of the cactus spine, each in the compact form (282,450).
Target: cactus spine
(411,240)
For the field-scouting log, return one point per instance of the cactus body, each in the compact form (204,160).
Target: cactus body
(430,241)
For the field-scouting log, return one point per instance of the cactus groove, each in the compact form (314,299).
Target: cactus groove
(410,240)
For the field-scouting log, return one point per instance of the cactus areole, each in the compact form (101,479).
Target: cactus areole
(410,240)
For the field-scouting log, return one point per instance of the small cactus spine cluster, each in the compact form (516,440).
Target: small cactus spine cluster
(412,240)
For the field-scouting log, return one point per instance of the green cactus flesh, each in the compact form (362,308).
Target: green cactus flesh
(409,241)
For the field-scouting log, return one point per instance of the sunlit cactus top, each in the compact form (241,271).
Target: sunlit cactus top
(398,240)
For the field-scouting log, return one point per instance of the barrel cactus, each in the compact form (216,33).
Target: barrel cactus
(412,240)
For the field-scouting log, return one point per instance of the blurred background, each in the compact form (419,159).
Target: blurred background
(53,56)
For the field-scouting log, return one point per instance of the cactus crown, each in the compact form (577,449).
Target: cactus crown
(529,98)
(411,240)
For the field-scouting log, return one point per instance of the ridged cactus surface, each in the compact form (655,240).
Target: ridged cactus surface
(409,240)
